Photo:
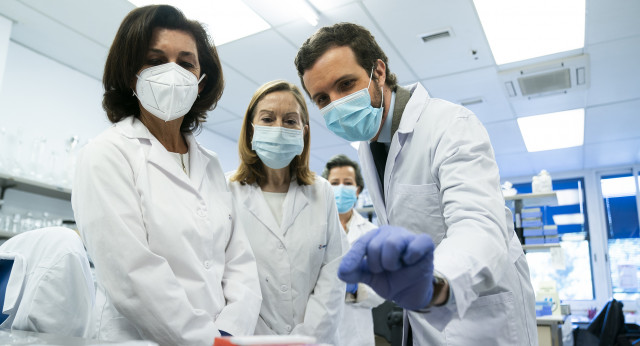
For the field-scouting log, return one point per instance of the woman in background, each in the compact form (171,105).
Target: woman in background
(151,204)
(344,175)
(290,217)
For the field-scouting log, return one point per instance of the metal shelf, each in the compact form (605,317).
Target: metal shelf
(6,234)
(33,186)
(540,247)
(522,196)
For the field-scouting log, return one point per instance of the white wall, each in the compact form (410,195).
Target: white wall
(5,34)
(43,99)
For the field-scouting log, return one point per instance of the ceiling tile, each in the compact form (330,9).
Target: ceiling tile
(227,150)
(515,165)
(354,13)
(471,85)
(228,129)
(615,71)
(237,91)
(327,153)
(559,160)
(49,37)
(404,21)
(96,20)
(220,115)
(625,152)
(611,19)
(261,58)
(506,137)
(612,122)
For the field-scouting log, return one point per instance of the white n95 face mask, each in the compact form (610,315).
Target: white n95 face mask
(167,91)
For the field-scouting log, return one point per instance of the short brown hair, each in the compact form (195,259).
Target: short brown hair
(129,50)
(341,160)
(251,169)
(359,39)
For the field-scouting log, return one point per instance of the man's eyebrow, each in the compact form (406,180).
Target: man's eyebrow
(343,77)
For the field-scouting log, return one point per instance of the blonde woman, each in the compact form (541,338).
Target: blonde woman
(290,217)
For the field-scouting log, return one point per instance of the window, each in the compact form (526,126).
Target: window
(619,193)
(568,265)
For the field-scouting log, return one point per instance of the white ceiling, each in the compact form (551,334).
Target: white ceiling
(78,33)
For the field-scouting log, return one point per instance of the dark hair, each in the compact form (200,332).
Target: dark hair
(342,160)
(359,39)
(129,50)
(251,169)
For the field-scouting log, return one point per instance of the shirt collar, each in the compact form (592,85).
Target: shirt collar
(385,134)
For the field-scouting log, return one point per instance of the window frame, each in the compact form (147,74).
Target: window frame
(598,240)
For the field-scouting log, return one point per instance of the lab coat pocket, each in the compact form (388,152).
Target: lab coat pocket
(498,327)
(417,208)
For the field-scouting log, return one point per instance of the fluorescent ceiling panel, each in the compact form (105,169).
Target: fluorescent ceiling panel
(553,130)
(525,29)
(226,20)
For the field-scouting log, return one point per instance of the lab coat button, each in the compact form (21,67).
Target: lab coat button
(284,288)
(207,264)
(202,212)
(288,328)
(280,246)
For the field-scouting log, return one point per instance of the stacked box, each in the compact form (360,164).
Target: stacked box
(532,225)
(550,233)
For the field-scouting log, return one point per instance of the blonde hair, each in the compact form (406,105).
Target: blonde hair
(251,169)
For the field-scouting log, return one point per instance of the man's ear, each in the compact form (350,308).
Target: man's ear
(381,72)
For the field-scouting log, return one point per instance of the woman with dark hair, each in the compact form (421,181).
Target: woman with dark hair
(290,217)
(172,264)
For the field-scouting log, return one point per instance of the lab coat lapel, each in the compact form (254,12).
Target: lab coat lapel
(373,182)
(159,157)
(132,127)
(257,205)
(199,161)
(408,108)
(294,202)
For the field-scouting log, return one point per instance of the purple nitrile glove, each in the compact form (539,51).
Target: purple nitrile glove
(352,288)
(396,263)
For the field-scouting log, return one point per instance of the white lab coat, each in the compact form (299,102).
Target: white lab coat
(441,178)
(298,260)
(356,328)
(172,264)
(50,289)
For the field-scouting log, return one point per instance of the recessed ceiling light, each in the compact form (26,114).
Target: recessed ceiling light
(226,21)
(525,29)
(553,130)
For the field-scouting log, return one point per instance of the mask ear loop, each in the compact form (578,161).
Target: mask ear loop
(381,88)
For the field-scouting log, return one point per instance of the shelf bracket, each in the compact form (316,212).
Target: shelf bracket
(4,188)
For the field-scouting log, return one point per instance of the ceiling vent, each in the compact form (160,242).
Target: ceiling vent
(471,102)
(560,76)
(428,37)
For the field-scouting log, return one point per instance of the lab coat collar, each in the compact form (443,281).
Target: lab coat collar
(294,202)
(132,127)
(413,109)
(410,117)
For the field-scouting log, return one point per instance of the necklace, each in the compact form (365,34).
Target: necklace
(184,168)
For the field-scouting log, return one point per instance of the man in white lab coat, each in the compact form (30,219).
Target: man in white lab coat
(433,179)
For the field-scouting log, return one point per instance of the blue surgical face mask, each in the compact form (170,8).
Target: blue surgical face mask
(353,117)
(346,197)
(276,146)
